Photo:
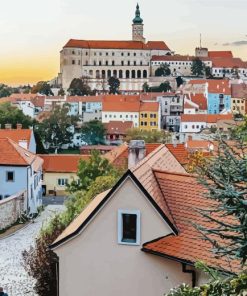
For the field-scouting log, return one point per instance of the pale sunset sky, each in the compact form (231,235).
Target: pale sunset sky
(33,32)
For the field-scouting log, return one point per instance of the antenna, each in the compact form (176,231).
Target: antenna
(200,40)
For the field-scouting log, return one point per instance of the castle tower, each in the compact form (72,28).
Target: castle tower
(137,26)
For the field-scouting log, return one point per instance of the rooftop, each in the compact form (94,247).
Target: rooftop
(17,135)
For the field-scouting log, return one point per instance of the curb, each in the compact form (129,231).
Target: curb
(7,236)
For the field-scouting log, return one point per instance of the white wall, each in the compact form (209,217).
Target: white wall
(192,127)
(121,116)
(94,263)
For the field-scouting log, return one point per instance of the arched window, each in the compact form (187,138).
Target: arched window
(120,74)
(139,74)
(97,74)
(133,74)
(91,72)
(127,74)
(108,73)
(145,74)
(103,74)
(113,63)
(115,73)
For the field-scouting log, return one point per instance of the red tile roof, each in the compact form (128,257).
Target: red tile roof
(199,145)
(118,127)
(215,85)
(62,163)
(209,118)
(13,154)
(111,44)
(239,91)
(184,195)
(17,135)
(228,63)
(38,101)
(121,103)
(179,152)
(200,100)
(149,107)
(220,54)
(85,99)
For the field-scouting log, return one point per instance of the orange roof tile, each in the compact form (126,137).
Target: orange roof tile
(200,100)
(13,154)
(85,99)
(184,195)
(62,163)
(149,106)
(239,91)
(198,144)
(179,152)
(220,54)
(121,103)
(228,63)
(118,127)
(16,135)
(209,118)
(215,85)
(111,44)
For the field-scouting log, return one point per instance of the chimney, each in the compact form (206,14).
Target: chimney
(8,126)
(19,126)
(137,151)
(23,144)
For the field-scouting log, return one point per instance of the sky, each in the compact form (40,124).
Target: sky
(33,32)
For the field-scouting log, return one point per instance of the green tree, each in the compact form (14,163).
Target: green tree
(61,92)
(179,81)
(89,170)
(145,87)
(43,88)
(58,128)
(12,115)
(148,136)
(114,85)
(163,70)
(165,86)
(5,91)
(93,132)
(79,87)
(197,67)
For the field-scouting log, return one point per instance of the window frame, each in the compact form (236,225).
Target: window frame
(138,227)
(13,180)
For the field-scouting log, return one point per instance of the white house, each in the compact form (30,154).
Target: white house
(20,170)
(137,238)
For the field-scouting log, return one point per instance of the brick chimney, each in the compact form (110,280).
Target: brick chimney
(19,126)
(137,151)
(8,126)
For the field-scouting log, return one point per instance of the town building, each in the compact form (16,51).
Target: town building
(116,131)
(150,116)
(98,60)
(195,103)
(20,170)
(58,171)
(149,216)
(239,98)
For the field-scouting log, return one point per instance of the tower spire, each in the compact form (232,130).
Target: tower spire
(137,26)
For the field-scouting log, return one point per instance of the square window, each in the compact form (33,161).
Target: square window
(10,176)
(129,227)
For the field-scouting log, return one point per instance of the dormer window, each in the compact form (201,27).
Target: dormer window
(129,227)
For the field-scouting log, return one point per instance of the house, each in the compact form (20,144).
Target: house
(218,94)
(58,171)
(137,238)
(239,98)
(150,119)
(195,103)
(20,170)
(121,108)
(24,137)
(116,131)
(87,149)
(194,123)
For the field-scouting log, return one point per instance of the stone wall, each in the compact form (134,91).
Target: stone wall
(11,209)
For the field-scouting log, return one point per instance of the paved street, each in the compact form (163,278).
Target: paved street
(54,200)
(13,276)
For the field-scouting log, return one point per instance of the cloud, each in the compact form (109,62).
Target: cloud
(236,43)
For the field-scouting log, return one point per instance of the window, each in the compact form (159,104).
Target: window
(129,227)
(10,176)
(62,182)
(73,62)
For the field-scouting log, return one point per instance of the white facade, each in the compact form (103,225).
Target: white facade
(24,179)
(27,107)
(192,127)
(121,116)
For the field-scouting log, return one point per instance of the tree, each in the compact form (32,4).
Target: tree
(114,85)
(61,92)
(208,72)
(13,115)
(163,70)
(79,87)
(179,81)
(165,86)
(5,91)
(197,67)
(148,136)
(225,177)
(93,132)
(58,128)
(89,170)
(43,88)
(145,87)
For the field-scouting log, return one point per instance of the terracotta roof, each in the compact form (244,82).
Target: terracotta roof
(179,152)
(111,44)
(38,101)
(17,135)
(190,105)
(228,63)
(199,144)
(200,100)
(43,115)
(85,99)
(220,54)
(118,127)
(209,118)
(215,85)
(239,91)
(184,195)
(28,96)
(13,154)
(121,103)
(62,163)
(149,106)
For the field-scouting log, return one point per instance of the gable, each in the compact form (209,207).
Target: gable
(102,222)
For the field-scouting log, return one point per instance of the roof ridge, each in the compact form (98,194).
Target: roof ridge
(175,173)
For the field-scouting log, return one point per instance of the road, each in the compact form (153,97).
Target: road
(13,277)
(53,200)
